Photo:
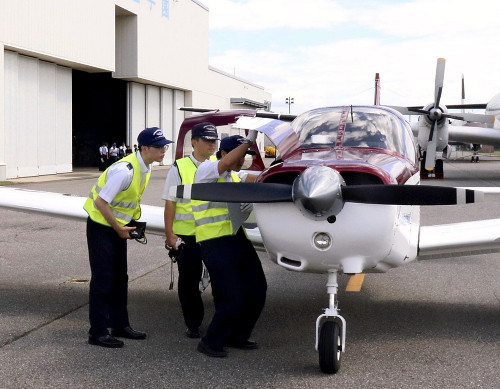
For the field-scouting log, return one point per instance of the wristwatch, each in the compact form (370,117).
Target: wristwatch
(247,141)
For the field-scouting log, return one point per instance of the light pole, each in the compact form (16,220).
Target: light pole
(289,100)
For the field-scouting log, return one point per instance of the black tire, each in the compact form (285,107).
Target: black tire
(330,347)
(438,169)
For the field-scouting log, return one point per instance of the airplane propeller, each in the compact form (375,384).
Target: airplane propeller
(435,114)
(320,192)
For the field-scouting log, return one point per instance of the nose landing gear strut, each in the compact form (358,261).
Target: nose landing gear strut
(330,331)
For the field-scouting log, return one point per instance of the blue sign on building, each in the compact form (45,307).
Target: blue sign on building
(151,3)
(165,8)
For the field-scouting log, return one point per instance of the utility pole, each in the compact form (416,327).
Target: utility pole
(289,100)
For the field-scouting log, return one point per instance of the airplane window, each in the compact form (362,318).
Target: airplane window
(364,127)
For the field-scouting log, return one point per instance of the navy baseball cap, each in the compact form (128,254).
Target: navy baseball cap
(205,130)
(152,136)
(231,142)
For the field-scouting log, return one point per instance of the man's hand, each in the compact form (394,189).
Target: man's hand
(124,232)
(171,240)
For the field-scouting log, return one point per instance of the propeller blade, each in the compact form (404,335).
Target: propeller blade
(471,117)
(433,129)
(441,62)
(280,116)
(235,193)
(367,194)
(401,110)
(430,157)
(194,109)
(418,111)
(466,106)
(410,195)
(452,116)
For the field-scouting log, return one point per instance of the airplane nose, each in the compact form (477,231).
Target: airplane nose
(317,192)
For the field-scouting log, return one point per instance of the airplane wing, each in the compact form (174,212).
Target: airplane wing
(475,135)
(67,206)
(459,239)
(71,207)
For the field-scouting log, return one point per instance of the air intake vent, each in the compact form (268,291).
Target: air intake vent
(290,262)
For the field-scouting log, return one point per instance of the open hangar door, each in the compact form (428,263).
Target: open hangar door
(99,115)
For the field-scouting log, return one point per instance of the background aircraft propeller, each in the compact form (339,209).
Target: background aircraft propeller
(435,114)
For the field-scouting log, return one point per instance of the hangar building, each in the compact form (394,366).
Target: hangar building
(76,73)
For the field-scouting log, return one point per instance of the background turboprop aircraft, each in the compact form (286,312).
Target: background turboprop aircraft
(434,131)
(348,177)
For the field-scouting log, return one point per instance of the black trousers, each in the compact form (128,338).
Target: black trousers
(109,281)
(190,267)
(238,286)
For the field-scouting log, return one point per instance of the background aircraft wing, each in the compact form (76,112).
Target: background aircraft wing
(475,135)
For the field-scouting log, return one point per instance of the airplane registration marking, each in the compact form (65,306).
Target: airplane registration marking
(355,283)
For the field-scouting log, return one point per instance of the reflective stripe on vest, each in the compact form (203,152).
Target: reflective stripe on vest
(125,207)
(212,218)
(184,220)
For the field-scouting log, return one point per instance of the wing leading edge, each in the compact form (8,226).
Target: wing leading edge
(459,239)
(71,207)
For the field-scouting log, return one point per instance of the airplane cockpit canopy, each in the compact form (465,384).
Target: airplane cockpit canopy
(355,127)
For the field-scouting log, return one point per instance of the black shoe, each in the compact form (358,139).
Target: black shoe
(105,341)
(207,350)
(246,345)
(128,332)
(193,334)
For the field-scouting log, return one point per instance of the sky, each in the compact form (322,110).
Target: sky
(326,52)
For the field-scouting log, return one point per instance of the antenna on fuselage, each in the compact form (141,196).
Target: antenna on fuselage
(463,92)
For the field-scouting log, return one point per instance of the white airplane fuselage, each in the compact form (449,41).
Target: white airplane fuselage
(364,238)
(493,108)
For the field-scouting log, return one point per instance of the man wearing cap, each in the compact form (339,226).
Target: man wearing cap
(179,223)
(112,204)
(238,281)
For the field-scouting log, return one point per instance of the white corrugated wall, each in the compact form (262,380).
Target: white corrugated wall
(37,121)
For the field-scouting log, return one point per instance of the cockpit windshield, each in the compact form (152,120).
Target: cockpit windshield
(354,127)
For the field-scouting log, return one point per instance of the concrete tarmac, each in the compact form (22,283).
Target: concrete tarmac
(430,324)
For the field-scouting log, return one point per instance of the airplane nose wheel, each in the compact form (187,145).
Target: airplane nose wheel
(330,347)
(330,340)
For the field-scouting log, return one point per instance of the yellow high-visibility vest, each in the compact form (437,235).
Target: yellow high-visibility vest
(212,218)
(126,205)
(184,219)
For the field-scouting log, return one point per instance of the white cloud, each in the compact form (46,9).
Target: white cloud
(402,42)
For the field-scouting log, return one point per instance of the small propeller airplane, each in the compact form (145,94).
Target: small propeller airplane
(347,175)
(435,132)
